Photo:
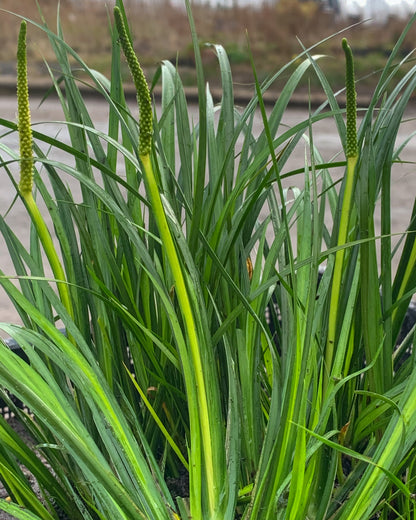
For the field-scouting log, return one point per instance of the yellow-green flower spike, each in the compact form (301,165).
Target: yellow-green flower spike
(352,147)
(26,170)
(143,93)
(23,109)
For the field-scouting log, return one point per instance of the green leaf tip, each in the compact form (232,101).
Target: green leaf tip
(23,110)
(345,45)
(352,146)
(143,93)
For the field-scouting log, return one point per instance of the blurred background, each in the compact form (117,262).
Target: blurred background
(274,30)
(272,27)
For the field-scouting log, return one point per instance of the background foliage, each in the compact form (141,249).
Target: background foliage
(273,31)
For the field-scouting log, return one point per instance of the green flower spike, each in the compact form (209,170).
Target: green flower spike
(352,147)
(142,89)
(26,170)
(25,130)
(351,152)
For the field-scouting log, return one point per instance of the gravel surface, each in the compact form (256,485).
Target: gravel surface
(3,493)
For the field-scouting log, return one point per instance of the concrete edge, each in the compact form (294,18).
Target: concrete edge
(40,88)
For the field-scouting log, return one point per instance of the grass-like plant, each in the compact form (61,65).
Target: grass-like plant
(210,368)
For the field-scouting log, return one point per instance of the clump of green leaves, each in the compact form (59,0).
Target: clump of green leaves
(184,239)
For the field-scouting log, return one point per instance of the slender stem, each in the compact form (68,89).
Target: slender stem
(49,248)
(186,307)
(194,375)
(352,159)
(26,170)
